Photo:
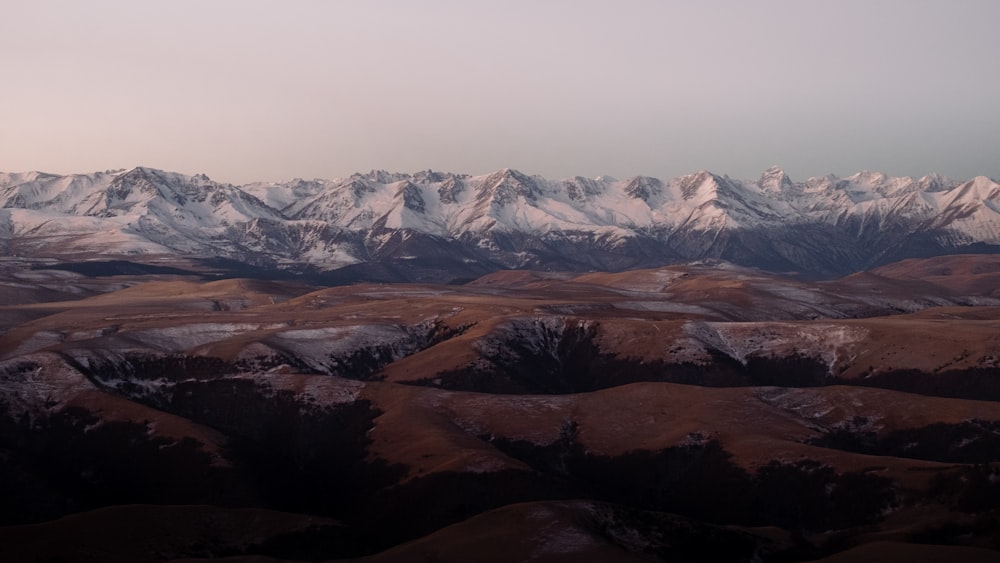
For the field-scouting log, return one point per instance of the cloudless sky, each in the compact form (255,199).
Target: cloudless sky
(246,90)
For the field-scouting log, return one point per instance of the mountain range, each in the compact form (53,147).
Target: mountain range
(569,370)
(444,227)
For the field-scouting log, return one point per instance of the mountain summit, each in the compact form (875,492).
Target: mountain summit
(440,226)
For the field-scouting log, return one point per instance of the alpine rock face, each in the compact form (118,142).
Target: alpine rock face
(432,226)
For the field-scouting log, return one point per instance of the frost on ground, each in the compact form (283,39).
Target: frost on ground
(553,536)
(342,350)
(322,391)
(187,336)
(481,463)
(534,413)
(650,281)
(538,336)
(35,383)
(822,409)
(35,342)
(663,307)
(740,341)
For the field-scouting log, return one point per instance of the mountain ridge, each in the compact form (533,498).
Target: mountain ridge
(445,226)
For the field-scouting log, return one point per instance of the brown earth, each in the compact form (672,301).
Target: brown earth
(645,415)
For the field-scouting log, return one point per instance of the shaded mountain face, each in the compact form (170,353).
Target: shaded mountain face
(692,412)
(441,227)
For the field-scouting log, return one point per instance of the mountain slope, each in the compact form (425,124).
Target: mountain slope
(432,226)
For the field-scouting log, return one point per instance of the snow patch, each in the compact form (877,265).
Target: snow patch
(828,342)
(185,337)
(37,383)
(555,537)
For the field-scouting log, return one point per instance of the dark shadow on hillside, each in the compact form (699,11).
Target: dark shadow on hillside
(700,481)
(971,441)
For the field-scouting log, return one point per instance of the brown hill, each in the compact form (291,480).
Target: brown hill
(641,415)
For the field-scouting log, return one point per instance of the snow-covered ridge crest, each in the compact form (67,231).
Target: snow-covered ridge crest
(772,221)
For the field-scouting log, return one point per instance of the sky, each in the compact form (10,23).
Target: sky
(254,90)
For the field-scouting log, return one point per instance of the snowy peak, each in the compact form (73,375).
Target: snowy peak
(505,187)
(450,189)
(875,185)
(171,197)
(972,194)
(981,188)
(700,188)
(289,197)
(975,203)
(644,188)
(934,183)
(412,196)
(339,203)
(141,185)
(774,180)
(63,194)
(506,218)
(580,189)
(705,190)
(380,177)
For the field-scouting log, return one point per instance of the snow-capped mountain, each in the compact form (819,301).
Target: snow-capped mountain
(444,226)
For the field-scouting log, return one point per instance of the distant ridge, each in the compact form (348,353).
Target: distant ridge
(436,226)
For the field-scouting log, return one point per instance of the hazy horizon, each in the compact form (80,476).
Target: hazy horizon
(267,91)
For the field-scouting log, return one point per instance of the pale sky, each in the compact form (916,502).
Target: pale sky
(246,90)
